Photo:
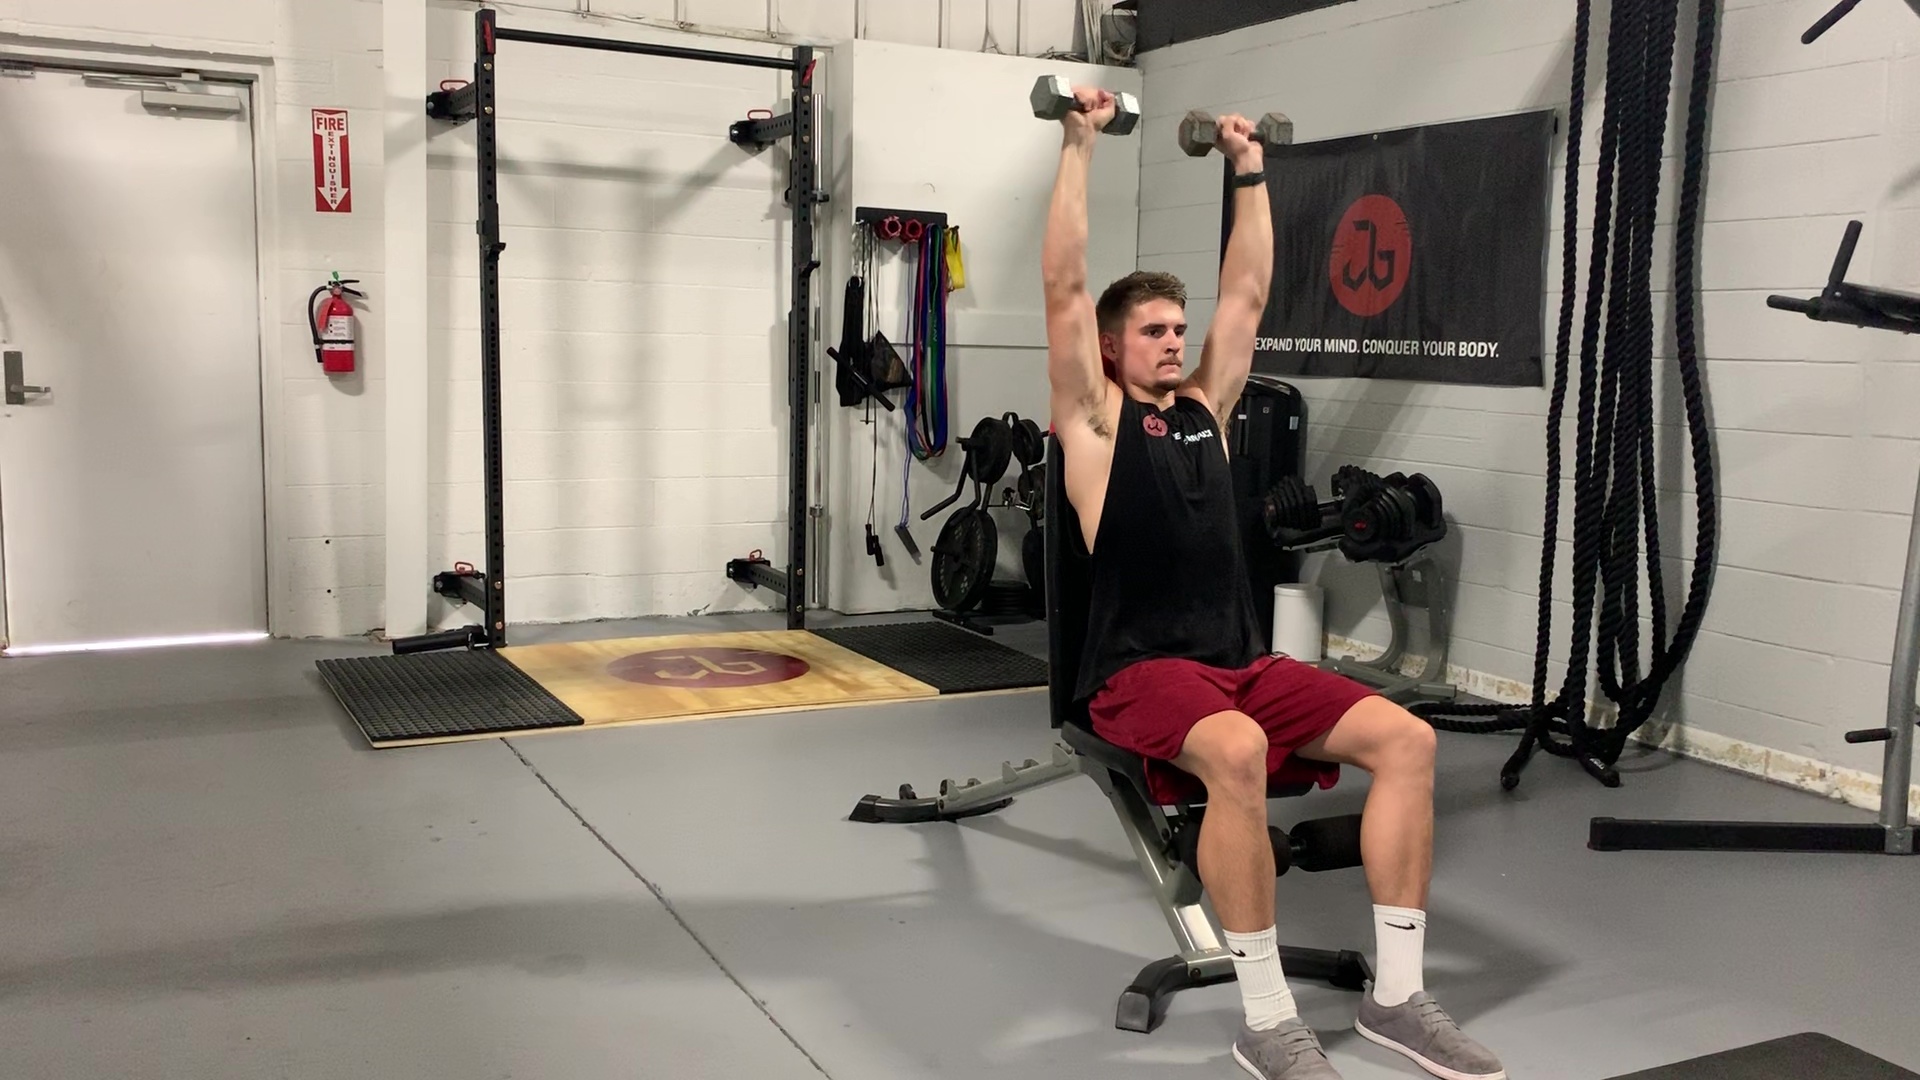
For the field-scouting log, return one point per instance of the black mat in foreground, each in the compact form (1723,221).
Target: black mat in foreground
(1797,1057)
(947,658)
(438,695)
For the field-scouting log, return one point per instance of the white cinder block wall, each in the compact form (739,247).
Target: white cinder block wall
(633,471)
(1817,445)
(991,170)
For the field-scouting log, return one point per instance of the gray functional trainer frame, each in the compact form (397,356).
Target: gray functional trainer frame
(1876,309)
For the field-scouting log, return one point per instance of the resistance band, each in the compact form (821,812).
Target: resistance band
(927,397)
(1614,483)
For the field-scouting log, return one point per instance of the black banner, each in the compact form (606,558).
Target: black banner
(1169,22)
(1414,254)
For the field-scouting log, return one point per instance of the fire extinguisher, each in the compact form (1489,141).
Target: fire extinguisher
(332,325)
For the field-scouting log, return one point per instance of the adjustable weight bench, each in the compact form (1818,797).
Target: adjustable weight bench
(1161,820)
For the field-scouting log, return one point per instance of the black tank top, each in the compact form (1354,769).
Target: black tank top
(1169,579)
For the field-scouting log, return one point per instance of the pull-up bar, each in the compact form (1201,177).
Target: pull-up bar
(575,41)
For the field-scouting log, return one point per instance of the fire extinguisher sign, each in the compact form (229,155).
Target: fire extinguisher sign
(332,166)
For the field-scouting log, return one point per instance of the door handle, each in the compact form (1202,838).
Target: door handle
(16,379)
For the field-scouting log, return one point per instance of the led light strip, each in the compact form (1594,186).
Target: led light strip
(135,643)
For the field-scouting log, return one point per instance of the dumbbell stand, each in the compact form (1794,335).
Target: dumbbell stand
(1418,582)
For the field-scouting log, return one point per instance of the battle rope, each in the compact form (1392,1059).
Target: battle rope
(1615,497)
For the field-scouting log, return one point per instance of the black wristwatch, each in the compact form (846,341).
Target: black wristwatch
(1255,179)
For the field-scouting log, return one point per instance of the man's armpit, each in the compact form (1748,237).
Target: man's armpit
(1097,422)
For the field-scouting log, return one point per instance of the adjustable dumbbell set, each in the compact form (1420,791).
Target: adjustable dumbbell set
(1389,521)
(1371,518)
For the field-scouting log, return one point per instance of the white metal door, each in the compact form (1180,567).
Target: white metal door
(131,493)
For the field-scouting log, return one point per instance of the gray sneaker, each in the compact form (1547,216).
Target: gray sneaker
(1289,1052)
(1423,1031)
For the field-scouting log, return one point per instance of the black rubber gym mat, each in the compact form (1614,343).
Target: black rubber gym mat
(441,694)
(1806,1056)
(947,658)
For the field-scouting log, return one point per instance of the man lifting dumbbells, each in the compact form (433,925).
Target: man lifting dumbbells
(1174,668)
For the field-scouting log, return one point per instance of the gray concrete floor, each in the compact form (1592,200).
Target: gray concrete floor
(205,873)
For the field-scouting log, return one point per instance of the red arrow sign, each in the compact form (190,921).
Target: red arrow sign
(332,166)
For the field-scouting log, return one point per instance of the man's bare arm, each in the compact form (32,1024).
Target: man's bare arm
(1073,337)
(1246,274)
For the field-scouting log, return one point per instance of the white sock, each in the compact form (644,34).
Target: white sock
(1402,937)
(1263,986)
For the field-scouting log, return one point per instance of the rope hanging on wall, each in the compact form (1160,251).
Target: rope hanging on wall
(1614,482)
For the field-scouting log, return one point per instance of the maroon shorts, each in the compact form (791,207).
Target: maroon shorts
(1149,707)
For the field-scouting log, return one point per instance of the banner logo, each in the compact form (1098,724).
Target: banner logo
(1372,256)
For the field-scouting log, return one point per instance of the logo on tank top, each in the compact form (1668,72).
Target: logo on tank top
(1155,426)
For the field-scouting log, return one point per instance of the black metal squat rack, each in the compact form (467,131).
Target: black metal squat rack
(487,589)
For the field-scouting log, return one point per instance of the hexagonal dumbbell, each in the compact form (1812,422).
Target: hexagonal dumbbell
(1200,133)
(1053,99)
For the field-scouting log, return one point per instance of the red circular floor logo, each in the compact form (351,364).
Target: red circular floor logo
(1155,426)
(1372,256)
(708,668)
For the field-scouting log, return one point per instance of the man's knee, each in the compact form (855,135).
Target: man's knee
(1228,752)
(1410,743)
(1398,741)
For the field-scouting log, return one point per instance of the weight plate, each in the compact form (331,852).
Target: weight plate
(1029,446)
(963,559)
(1006,598)
(989,449)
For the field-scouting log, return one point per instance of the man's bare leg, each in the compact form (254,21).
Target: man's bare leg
(1396,843)
(1228,752)
(1396,831)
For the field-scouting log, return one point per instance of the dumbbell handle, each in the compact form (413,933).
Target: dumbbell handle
(1331,528)
(1061,96)
(1053,99)
(1200,133)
